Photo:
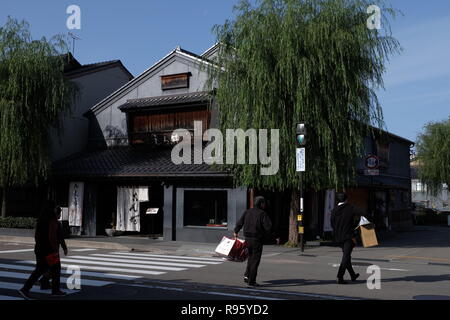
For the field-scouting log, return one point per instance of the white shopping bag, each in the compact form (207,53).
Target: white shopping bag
(363,222)
(225,246)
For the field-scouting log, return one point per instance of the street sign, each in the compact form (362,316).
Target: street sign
(372,172)
(372,162)
(300,160)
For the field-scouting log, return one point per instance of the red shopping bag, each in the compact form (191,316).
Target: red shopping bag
(239,253)
(233,249)
(52,259)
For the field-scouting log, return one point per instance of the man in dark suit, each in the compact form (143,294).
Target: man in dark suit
(257,226)
(344,220)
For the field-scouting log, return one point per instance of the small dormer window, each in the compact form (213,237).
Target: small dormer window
(175,81)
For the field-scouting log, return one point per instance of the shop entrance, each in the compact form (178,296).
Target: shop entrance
(152,212)
(106,207)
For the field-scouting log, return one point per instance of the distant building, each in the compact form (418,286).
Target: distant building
(421,196)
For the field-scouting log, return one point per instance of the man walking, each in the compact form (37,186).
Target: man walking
(344,220)
(256,225)
(48,238)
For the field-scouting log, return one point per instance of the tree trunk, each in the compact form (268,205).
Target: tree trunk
(295,210)
(3,204)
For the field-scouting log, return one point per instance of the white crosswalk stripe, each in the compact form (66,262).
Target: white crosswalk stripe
(84,273)
(17,275)
(112,264)
(98,270)
(144,262)
(17,251)
(168,256)
(155,258)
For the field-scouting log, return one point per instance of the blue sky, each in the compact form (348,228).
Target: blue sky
(140,32)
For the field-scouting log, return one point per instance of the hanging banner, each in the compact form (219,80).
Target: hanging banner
(76,193)
(128,209)
(143,194)
(329,206)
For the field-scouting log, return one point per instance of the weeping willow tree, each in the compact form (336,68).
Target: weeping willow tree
(33,94)
(433,156)
(286,61)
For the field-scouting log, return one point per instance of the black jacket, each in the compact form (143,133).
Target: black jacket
(344,220)
(256,223)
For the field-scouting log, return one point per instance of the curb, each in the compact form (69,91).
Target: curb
(70,243)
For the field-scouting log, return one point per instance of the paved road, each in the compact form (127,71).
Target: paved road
(412,266)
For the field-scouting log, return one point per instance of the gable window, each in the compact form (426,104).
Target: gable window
(175,81)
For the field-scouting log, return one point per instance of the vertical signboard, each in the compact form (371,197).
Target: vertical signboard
(329,206)
(76,193)
(300,157)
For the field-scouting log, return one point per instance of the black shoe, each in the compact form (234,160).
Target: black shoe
(24,294)
(59,294)
(355,277)
(341,281)
(246,279)
(254,284)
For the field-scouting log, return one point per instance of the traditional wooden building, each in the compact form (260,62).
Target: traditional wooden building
(126,177)
(126,173)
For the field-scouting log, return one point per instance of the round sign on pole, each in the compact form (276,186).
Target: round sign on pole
(372,162)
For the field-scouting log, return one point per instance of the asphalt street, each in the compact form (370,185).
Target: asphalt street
(413,266)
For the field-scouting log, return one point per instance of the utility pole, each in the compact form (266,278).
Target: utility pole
(301,168)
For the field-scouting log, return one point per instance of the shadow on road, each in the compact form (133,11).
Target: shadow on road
(426,297)
(439,278)
(296,282)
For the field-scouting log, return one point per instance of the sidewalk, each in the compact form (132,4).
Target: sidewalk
(131,243)
(421,242)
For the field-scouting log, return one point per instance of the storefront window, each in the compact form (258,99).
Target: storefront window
(205,208)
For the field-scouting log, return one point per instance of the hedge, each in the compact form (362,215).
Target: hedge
(18,222)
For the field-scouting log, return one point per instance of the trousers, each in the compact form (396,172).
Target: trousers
(255,249)
(346,263)
(41,268)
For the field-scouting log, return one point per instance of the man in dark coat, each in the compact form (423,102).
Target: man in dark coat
(257,226)
(344,220)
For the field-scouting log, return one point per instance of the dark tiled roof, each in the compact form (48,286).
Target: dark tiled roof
(93,67)
(194,97)
(138,161)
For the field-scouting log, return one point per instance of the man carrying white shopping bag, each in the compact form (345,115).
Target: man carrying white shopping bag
(344,218)
(256,225)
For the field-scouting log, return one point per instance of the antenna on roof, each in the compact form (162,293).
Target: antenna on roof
(74,37)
